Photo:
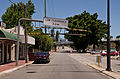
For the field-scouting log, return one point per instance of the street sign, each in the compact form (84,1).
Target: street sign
(55,22)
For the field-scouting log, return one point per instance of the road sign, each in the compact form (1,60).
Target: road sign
(55,22)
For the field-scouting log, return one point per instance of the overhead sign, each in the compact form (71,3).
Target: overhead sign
(55,22)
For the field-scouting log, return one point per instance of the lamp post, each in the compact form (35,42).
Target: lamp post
(18,36)
(108,37)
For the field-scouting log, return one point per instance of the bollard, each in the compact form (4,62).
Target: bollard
(98,60)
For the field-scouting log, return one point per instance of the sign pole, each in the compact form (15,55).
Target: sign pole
(45,16)
(108,37)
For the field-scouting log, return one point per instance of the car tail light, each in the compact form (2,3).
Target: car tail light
(44,57)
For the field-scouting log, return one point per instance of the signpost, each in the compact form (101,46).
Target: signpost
(108,37)
(55,22)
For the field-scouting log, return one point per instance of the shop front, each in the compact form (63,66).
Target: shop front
(7,47)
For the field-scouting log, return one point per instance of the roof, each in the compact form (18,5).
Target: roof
(4,34)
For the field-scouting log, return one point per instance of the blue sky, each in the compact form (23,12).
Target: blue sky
(66,8)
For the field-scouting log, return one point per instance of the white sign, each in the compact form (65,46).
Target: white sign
(55,22)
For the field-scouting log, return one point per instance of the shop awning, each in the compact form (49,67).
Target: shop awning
(7,35)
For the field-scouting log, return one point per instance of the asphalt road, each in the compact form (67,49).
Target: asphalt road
(62,66)
(115,64)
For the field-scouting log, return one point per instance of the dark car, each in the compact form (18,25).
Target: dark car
(42,57)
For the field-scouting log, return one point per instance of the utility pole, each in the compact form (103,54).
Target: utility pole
(45,16)
(108,37)
(26,49)
(17,53)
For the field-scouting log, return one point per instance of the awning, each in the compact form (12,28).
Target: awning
(7,36)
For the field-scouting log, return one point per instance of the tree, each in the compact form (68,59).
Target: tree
(15,12)
(96,30)
(42,42)
(52,33)
(118,36)
(57,36)
(105,37)
(46,43)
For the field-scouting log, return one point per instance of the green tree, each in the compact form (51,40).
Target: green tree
(118,36)
(105,37)
(15,12)
(57,36)
(96,30)
(113,45)
(52,33)
(42,42)
(46,42)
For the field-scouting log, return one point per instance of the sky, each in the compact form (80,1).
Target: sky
(66,8)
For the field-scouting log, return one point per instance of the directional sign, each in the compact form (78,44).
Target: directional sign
(56,22)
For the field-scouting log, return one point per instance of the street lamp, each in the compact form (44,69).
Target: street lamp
(22,19)
(108,37)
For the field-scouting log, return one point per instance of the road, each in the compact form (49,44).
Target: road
(62,66)
(91,59)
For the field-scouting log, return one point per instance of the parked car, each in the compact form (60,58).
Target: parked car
(114,53)
(95,52)
(42,57)
(104,52)
(89,51)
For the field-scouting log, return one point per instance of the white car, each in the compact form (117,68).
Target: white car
(95,52)
(104,52)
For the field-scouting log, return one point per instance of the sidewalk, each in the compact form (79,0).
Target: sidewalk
(87,60)
(10,67)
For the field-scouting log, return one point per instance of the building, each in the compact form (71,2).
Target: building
(8,43)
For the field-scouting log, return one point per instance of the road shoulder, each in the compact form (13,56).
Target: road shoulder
(101,69)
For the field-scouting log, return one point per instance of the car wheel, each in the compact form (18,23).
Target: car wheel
(48,60)
(35,62)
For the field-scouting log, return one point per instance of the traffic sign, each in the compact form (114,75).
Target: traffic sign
(55,22)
